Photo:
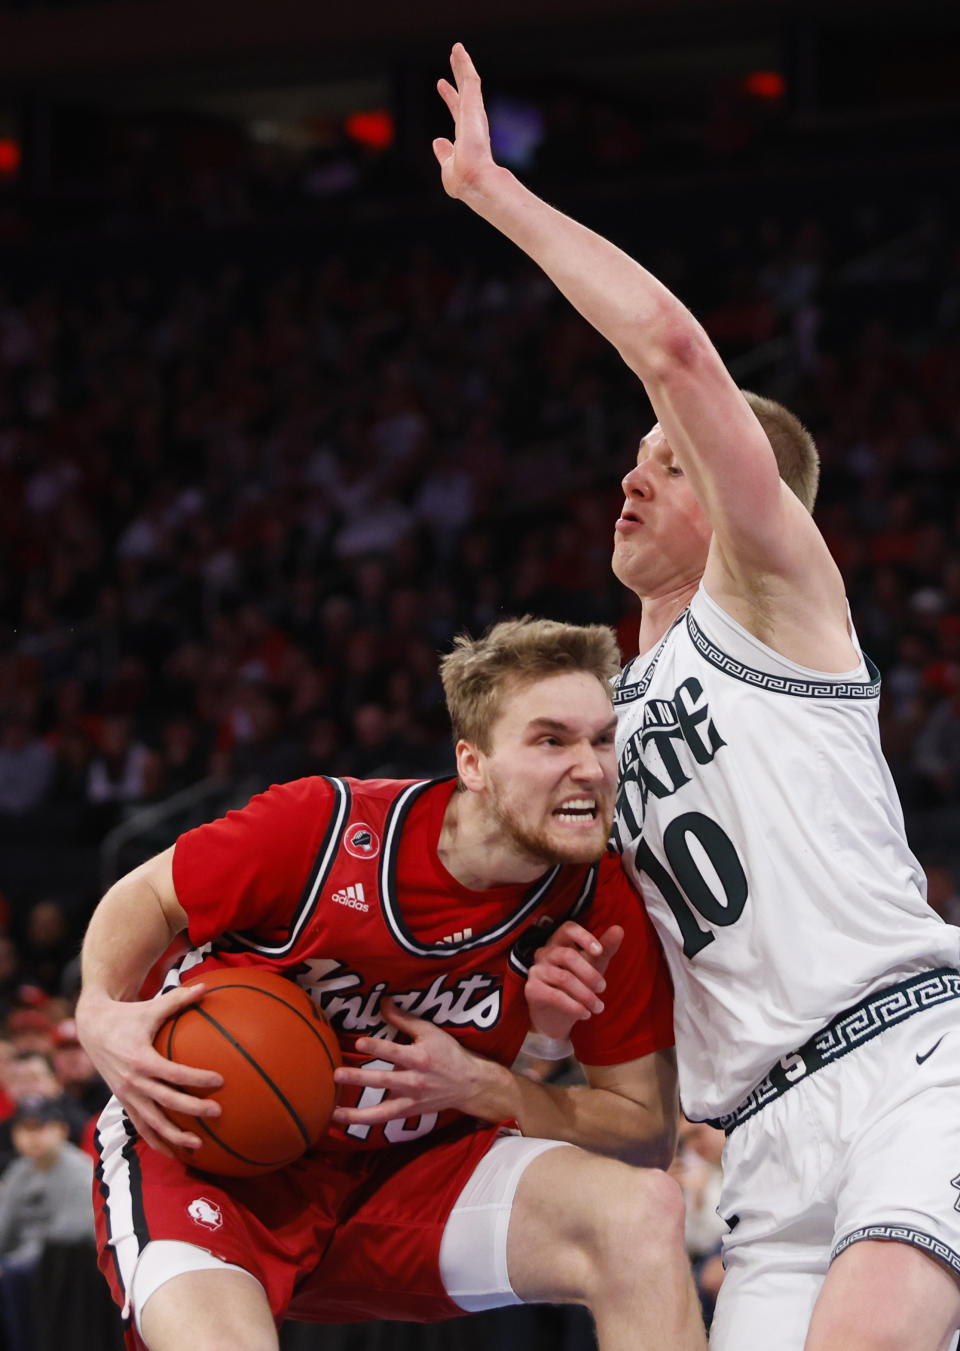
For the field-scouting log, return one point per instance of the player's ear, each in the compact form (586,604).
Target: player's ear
(470,762)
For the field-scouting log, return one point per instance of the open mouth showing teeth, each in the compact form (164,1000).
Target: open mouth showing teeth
(579,809)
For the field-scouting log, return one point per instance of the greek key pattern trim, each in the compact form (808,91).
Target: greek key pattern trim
(625,694)
(849,1030)
(901,1234)
(806,689)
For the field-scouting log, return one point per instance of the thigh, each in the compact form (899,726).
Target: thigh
(210,1308)
(383,1258)
(886,1294)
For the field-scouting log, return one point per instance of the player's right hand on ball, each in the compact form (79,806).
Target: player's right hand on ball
(118,1037)
(568,977)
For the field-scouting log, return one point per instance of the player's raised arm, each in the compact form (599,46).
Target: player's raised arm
(131,928)
(714,433)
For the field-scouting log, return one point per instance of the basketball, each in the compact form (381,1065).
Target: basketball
(277,1054)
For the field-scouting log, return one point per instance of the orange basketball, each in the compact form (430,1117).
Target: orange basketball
(277,1054)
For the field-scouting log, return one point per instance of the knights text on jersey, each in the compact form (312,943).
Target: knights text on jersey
(760,820)
(336,883)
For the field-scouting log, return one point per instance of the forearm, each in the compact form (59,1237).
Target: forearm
(620,298)
(638,1131)
(659,339)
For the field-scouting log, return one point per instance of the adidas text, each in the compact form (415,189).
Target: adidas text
(351,896)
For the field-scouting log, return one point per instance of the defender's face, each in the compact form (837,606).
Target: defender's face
(551,774)
(662,535)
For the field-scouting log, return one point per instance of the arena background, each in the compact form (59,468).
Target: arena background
(277,419)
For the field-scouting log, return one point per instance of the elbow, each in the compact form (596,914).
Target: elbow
(671,346)
(682,352)
(654,1148)
(647,1154)
(661,1151)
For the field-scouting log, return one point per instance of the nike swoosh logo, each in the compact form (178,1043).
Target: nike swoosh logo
(922,1058)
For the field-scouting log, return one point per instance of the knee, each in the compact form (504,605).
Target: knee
(637,1231)
(646,1208)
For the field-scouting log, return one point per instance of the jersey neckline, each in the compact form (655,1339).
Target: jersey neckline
(528,899)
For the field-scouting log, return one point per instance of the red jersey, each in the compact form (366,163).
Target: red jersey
(336,883)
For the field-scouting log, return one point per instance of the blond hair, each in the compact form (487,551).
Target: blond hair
(794,448)
(513,653)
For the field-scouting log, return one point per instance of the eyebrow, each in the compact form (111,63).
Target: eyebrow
(555,725)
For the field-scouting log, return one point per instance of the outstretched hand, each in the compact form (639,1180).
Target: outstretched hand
(118,1037)
(568,977)
(429,1073)
(463,160)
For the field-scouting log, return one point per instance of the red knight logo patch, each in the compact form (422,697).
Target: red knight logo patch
(361,840)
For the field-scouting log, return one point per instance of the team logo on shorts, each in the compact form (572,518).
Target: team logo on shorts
(205,1212)
(361,840)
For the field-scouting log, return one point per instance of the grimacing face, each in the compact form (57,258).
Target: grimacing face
(551,774)
(662,534)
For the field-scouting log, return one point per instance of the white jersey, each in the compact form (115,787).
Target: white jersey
(759,818)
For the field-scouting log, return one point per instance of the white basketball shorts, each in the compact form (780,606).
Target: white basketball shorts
(866,1148)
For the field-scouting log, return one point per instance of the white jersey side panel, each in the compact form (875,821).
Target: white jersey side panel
(758,817)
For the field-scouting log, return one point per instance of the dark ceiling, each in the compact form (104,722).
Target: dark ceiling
(135,48)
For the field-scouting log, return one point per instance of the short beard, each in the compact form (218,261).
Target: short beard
(538,846)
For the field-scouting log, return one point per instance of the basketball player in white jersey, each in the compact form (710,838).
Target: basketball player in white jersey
(817,995)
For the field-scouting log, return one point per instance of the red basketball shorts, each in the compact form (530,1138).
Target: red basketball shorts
(333,1238)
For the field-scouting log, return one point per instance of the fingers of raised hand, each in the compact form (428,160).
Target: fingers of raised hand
(574,977)
(546,1000)
(462,65)
(449,95)
(573,935)
(558,965)
(610,942)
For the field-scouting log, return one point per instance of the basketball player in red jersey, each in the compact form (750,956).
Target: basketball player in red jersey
(410,911)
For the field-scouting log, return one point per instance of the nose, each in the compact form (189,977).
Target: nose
(636,482)
(588,767)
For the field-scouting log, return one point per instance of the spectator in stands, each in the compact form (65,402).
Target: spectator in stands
(76,1071)
(26,767)
(46,947)
(45,1194)
(31,1075)
(119,770)
(30,1031)
(937,750)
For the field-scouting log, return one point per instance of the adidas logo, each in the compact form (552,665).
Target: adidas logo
(460,936)
(352,896)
